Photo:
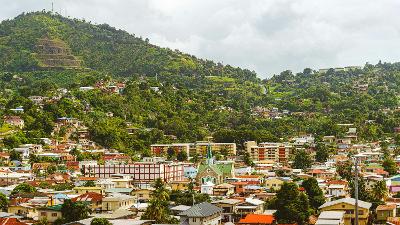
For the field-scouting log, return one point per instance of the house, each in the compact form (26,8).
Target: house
(201,214)
(347,205)
(223,189)
(250,206)
(331,218)
(385,211)
(105,183)
(229,208)
(50,213)
(117,201)
(337,190)
(179,185)
(275,183)
(257,219)
(252,179)
(93,199)
(14,121)
(239,186)
(125,191)
(142,194)
(83,190)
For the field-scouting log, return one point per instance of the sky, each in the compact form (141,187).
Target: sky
(267,36)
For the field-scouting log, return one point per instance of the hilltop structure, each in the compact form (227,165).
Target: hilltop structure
(55,53)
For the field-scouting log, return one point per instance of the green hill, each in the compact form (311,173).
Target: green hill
(169,93)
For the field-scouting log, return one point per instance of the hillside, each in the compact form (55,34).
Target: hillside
(101,48)
(169,96)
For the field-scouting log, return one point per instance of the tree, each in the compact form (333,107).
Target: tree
(314,192)
(389,166)
(322,152)
(363,193)
(344,169)
(89,183)
(171,153)
(291,205)
(247,159)
(73,211)
(182,156)
(195,158)
(42,222)
(3,202)
(100,221)
(379,190)
(14,155)
(302,160)
(23,188)
(157,209)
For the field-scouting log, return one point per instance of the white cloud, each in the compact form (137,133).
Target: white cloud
(268,36)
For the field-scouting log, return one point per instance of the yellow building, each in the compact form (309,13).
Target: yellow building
(142,195)
(348,205)
(24,210)
(385,211)
(51,213)
(200,148)
(117,201)
(83,190)
(179,185)
(274,183)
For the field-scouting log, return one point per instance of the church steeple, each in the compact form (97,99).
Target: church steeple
(210,159)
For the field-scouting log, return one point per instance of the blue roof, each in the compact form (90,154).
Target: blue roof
(61,196)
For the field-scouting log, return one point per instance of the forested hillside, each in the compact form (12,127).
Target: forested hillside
(168,93)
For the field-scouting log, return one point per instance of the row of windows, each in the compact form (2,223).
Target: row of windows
(45,214)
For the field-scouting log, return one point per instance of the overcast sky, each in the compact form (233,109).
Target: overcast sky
(267,36)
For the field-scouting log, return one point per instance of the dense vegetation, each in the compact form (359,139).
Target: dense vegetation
(196,98)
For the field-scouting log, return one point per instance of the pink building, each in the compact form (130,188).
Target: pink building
(141,172)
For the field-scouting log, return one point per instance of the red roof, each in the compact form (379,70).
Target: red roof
(344,182)
(88,197)
(11,221)
(239,183)
(257,219)
(87,178)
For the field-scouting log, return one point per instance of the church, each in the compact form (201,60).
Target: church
(211,172)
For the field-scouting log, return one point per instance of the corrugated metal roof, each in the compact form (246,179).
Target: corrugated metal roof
(350,201)
(201,210)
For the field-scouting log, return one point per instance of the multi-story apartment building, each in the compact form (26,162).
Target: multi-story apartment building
(162,149)
(277,152)
(141,172)
(199,148)
(217,148)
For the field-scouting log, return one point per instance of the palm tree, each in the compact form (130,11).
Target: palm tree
(158,205)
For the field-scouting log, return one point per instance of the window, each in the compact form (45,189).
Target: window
(194,219)
(43,214)
(54,214)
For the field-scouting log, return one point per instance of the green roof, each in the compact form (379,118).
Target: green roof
(54,207)
(220,169)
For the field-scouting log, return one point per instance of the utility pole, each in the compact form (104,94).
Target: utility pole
(52,7)
(356,189)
